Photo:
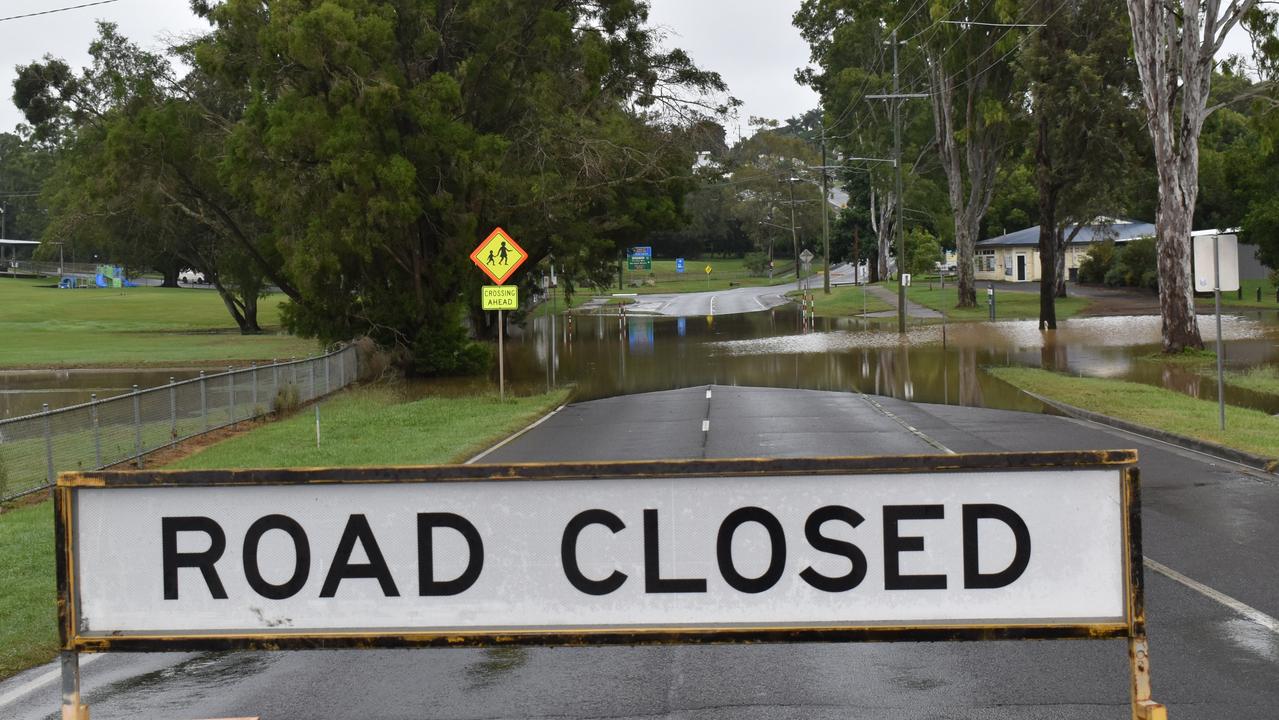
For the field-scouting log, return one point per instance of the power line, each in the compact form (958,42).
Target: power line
(57,10)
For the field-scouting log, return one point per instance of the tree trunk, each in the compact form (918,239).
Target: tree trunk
(1176,294)
(170,274)
(1059,272)
(250,326)
(1048,256)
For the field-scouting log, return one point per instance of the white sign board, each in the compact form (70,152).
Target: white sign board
(1034,547)
(1227,251)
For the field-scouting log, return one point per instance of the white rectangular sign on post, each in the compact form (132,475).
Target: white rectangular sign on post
(1205,260)
(629,551)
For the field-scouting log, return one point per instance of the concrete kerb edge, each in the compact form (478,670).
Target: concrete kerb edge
(1256,462)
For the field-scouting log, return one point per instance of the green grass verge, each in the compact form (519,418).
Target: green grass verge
(1248,299)
(1261,379)
(29,631)
(42,325)
(370,426)
(1248,430)
(1009,304)
(845,301)
(373,426)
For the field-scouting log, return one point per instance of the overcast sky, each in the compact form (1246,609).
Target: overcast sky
(751,43)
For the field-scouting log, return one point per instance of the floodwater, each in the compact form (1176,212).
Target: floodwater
(606,355)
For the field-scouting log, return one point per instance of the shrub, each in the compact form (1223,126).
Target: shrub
(1097,263)
(756,263)
(445,349)
(286,399)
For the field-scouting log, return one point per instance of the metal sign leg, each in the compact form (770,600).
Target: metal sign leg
(1143,708)
(72,708)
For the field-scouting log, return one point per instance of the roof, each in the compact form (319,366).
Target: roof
(1120,230)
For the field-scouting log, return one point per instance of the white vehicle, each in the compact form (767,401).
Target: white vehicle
(191,277)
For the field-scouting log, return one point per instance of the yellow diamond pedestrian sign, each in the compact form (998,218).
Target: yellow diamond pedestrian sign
(499,256)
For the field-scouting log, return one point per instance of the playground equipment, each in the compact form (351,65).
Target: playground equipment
(111,276)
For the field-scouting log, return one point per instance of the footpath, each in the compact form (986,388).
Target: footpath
(913,309)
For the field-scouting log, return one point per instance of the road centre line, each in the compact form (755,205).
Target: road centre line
(45,679)
(909,428)
(706,426)
(1247,611)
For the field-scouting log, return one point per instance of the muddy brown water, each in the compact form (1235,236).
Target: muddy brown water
(604,355)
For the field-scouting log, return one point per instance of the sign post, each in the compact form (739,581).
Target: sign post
(910,548)
(1213,255)
(499,256)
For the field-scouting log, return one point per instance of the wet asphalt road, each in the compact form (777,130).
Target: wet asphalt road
(1211,521)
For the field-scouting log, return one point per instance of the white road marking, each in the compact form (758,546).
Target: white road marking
(759,302)
(708,394)
(712,305)
(1247,611)
(544,418)
(45,679)
(706,426)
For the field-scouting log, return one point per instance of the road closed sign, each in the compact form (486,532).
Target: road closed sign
(1038,545)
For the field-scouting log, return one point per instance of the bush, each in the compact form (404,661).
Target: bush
(445,349)
(1097,263)
(1136,265)
(756,263)
(286,399)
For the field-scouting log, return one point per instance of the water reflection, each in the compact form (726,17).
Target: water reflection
(608,355)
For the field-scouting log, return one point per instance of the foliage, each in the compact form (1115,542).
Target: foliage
(444,349)
(1098,261)
(923,252)
(1132,264)
(24,166)
(756,263)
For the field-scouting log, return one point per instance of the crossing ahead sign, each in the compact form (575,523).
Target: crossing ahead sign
(957,547)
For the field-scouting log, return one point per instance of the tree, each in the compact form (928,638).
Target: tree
(1080,80)
(381,140)
(1175,46)
(24,166)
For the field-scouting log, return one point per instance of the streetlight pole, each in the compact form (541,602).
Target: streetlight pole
(825,222)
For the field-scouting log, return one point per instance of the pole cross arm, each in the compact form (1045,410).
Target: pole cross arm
(899,96)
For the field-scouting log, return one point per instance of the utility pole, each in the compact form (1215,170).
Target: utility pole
(825,223)
(794,236)
(895,98)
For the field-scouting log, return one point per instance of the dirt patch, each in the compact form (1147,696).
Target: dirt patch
(34,498)
(190,446)
(1108,302)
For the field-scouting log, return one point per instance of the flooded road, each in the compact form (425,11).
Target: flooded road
(608,355)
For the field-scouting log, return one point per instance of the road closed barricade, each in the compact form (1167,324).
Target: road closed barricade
(914,548)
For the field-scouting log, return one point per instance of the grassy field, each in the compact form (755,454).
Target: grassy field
(29,632)
(43,326)
(371,426)
(845,301)
(1249,299)
(1009,304)
(1262,379)
(725,273)
(1249,430)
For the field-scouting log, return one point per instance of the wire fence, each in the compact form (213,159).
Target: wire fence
(99,433)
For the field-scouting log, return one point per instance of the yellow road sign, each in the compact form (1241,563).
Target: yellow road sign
(497,297)
(499,256)
(708,269)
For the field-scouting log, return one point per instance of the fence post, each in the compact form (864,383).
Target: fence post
(173,412)
(341,369)
(137,427)
(275,377)
(204,402)
(230,395)
(327,389)
(311,387)
(97,434)
(253,370)
(48,445)
(293,363)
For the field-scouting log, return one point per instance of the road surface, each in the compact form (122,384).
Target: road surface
(731,301)
(1214,636)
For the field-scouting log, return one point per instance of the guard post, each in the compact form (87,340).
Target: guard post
(818,529)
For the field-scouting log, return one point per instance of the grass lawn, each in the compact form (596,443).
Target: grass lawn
(29,632)
(1249,299)
(1249,430)
(846,301)
(1009,304)
(370,426)
(725,273)
(44,326)
(374,426)
(1262,379)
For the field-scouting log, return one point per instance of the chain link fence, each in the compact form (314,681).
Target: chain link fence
(99,433)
